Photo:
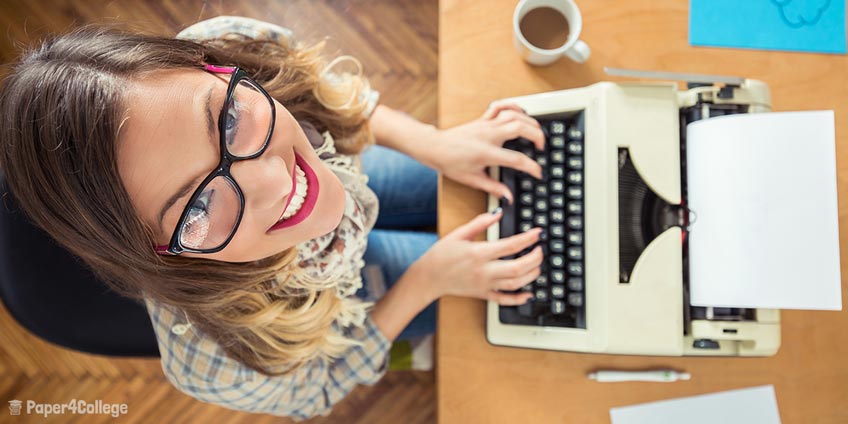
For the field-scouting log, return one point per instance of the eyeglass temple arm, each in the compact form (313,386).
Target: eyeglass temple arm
(162,250)
(220,69)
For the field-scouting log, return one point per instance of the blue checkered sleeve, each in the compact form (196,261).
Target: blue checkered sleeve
(199,367)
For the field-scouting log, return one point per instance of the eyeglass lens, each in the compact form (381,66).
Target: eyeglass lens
(248,120)
(213,215)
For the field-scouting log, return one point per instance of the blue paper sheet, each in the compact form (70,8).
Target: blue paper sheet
(796,25)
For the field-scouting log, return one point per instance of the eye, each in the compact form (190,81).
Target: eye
(231,121)
(196,227)
(202,203)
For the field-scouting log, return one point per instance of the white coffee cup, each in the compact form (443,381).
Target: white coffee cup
(574,48)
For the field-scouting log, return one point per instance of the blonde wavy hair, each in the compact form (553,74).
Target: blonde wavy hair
(61,108)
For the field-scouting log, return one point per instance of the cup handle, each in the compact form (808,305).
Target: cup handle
(579,52)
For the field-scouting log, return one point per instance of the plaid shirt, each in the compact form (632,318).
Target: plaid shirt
(198,366)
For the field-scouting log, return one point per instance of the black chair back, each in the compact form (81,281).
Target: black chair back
(53,295)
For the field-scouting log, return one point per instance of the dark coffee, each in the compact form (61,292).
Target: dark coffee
(545,28)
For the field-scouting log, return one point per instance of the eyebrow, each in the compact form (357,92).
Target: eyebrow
(186,188)
(210,122)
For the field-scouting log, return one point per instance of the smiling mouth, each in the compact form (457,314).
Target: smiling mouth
(303,197)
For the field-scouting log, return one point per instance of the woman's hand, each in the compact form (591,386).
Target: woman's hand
(459,266)
(462,153)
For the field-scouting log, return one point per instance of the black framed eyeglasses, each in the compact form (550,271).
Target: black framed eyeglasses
(215,209)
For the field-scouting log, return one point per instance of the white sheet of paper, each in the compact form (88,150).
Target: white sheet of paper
(743,406)
(764,230)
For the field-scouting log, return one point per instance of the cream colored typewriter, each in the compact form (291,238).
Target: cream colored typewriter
(613,207)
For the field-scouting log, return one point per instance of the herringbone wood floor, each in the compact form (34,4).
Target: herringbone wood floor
(395,40)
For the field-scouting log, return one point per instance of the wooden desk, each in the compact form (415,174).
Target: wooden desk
(482,383)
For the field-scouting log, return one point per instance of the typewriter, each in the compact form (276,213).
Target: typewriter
(612,203)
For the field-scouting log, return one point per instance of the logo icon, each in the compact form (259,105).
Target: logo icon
(15,407)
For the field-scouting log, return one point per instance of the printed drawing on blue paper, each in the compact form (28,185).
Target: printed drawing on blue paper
(798,25)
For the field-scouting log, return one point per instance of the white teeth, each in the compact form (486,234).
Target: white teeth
(299,194)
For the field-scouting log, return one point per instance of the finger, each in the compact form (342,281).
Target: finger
(517,128)
(511,245)
(483,182)
(511,115)
(511,284)
(515,160)
(496,107)
(509,299)
(513,268)
(472,228)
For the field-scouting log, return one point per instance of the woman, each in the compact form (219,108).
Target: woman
(219,181)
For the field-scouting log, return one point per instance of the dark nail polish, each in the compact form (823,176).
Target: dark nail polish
(497,211)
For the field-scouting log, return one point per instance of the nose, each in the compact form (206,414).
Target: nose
(265,182)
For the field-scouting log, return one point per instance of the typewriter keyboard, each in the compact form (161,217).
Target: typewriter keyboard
(554,203)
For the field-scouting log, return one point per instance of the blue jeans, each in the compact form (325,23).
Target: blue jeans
(407,193)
